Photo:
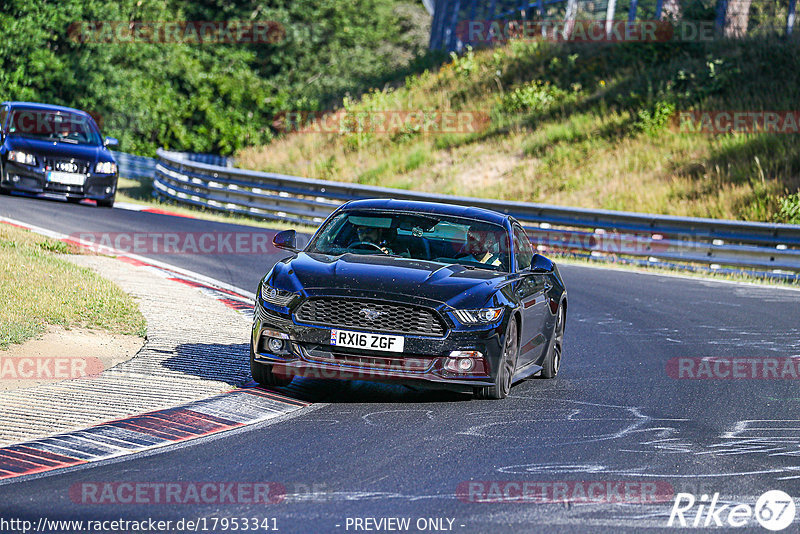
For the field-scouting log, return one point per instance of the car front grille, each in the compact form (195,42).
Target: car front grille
(67,165)
(372,316)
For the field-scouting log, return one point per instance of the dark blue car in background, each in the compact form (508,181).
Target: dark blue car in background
(55,151)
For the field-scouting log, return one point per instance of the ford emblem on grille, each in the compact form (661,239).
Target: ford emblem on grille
(369,314)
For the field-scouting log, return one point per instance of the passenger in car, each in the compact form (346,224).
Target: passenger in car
(481,247)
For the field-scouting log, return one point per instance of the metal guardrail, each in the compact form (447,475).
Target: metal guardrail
(135,167)
(760,248)
(142,167)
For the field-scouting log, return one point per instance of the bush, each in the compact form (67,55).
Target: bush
(790,209)
(651,121)
(534,96)
(204,97)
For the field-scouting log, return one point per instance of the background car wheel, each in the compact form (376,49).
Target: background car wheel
(508,364)
(552,361)
(106,203)
(262,373)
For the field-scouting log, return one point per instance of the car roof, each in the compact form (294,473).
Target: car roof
(438,208)
(39,105)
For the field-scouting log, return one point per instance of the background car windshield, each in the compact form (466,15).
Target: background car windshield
(427,237)
(53,125)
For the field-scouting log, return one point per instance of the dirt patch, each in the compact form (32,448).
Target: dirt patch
(62,354)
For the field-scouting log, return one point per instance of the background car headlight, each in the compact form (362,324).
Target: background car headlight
(482,316)
(274,296)
(21,157)
(105,167)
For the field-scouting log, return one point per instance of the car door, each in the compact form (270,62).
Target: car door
(531,292)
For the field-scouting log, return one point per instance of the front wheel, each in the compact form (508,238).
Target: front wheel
(552,361)
(505,372)
(262,373)
(106,203)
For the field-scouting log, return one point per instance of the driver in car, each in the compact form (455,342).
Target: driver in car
(482,247)
(374,236)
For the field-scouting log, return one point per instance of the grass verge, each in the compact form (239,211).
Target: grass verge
(593,126)
(41,289)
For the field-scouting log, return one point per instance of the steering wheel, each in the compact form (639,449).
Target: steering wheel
(366,244)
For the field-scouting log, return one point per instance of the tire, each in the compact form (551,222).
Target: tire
(552,362)
(508,364)
(262,373)
(106,203)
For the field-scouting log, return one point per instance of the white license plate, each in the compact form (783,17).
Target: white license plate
(364,340)
(68,178)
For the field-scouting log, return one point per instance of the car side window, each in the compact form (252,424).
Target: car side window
(523,251)
(3,115)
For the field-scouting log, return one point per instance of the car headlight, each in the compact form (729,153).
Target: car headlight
(105,167)
(482,316)
(21,157)
(277,297)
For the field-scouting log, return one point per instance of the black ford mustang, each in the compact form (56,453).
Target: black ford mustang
(415,292)
(55,150)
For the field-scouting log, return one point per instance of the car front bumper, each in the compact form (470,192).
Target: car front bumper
(307,352)
(33,180)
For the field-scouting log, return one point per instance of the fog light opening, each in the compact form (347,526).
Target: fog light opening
(275,345)
(108,190)
(463,361)
(465,364)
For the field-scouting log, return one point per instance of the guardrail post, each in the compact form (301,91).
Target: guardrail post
(610,11)
(451,36)
(722,10)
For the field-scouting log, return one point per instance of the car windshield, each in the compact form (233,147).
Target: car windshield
(54,125)
(427,237)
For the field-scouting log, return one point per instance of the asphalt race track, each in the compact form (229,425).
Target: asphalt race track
(614,415)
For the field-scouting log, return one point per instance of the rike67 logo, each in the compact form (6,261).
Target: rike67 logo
(774,510)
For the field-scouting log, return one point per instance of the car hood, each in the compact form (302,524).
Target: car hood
(91,153)
(379,276)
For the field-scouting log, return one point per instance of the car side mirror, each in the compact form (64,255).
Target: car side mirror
(111,141)
(286,240)
(541,265)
